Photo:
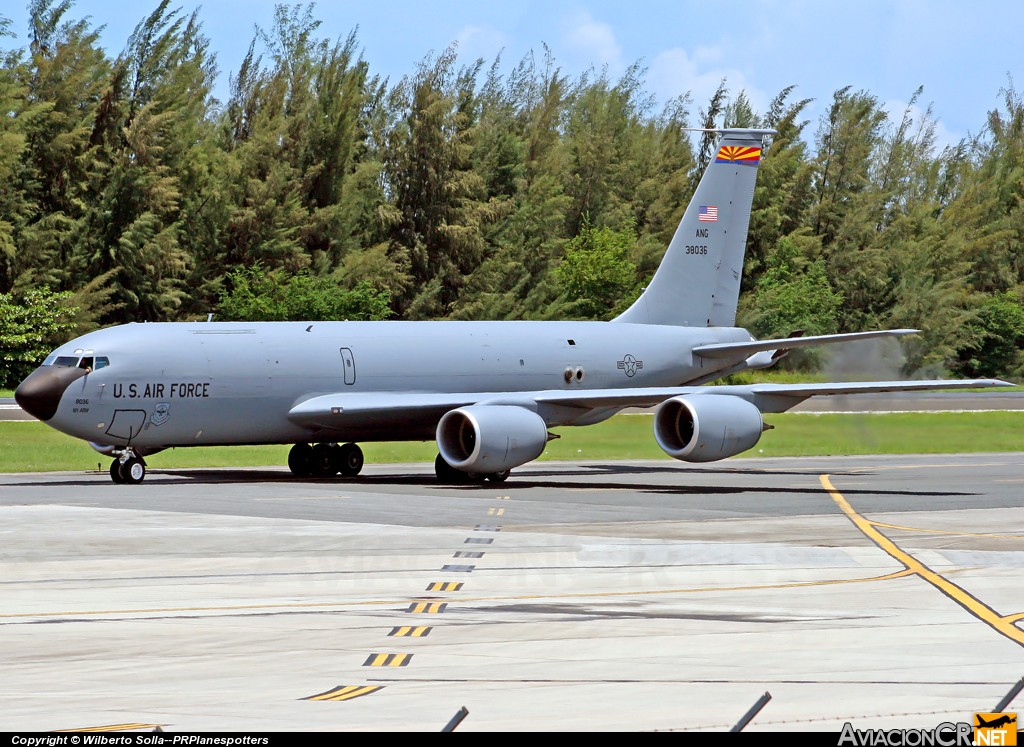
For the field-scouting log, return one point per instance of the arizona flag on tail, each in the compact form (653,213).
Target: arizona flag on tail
(738,154)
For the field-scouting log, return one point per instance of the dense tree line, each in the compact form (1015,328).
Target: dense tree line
(128,192)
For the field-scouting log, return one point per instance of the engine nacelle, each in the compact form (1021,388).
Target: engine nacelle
(491,438)
(704,428)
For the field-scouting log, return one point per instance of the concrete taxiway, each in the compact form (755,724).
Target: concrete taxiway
(631,596)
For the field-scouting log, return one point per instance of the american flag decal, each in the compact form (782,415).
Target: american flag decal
(738,154)
(707,214)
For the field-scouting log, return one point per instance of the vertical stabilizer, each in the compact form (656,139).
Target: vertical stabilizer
(698,281)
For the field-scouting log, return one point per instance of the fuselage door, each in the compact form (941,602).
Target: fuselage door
(349,364)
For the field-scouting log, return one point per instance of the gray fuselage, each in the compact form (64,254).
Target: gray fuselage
(190,384)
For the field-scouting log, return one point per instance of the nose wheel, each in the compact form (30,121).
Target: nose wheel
(128,469)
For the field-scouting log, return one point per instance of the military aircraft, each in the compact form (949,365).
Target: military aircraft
(487,392)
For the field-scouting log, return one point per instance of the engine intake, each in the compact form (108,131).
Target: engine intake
(490,438)
(705,428)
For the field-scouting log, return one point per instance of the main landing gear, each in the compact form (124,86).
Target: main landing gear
(325,460)
(448,475)
(330,459)
(128,468)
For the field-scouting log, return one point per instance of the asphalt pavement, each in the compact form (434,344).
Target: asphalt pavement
(879,591)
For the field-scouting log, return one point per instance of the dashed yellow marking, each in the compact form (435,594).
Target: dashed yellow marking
(387,660)
(346,692)
(495,512)
(1000,623)
(501,498)
(114,727)
(410,631)
(430,608)
(445,586)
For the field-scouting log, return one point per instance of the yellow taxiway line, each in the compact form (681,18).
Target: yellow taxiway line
(1003,624)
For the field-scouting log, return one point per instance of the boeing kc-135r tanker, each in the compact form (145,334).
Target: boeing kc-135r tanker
(488,392)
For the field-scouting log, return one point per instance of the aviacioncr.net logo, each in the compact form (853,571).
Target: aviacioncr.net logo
(946,734)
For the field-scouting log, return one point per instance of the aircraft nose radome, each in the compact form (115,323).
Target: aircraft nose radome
(40,392)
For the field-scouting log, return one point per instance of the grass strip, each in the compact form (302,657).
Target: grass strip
(34,447)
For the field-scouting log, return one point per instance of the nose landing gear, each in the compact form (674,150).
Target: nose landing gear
(128,468)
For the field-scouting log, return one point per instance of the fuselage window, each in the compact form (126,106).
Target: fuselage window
(66,361)
(102,362)
(86,363)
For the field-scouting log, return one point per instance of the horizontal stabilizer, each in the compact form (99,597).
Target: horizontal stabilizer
(743,349)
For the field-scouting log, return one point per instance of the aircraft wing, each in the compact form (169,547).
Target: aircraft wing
(335,410)
(732,349)
(330,410)
(767,397)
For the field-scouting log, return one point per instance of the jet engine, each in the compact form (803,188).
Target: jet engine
(490,438)
(705,428)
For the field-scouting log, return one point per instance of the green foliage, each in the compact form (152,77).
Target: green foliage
(603,130)
(258,295)
(597,274)
(13,203)
(442,202)
(794,294)
(998,348)
(30,327)
(461,191)
(782,194)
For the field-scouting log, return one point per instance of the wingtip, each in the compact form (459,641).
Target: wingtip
(979,383)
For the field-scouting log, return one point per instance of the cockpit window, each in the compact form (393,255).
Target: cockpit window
(87,362)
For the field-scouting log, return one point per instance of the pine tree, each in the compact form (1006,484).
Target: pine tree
(61,82)
(441,200)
